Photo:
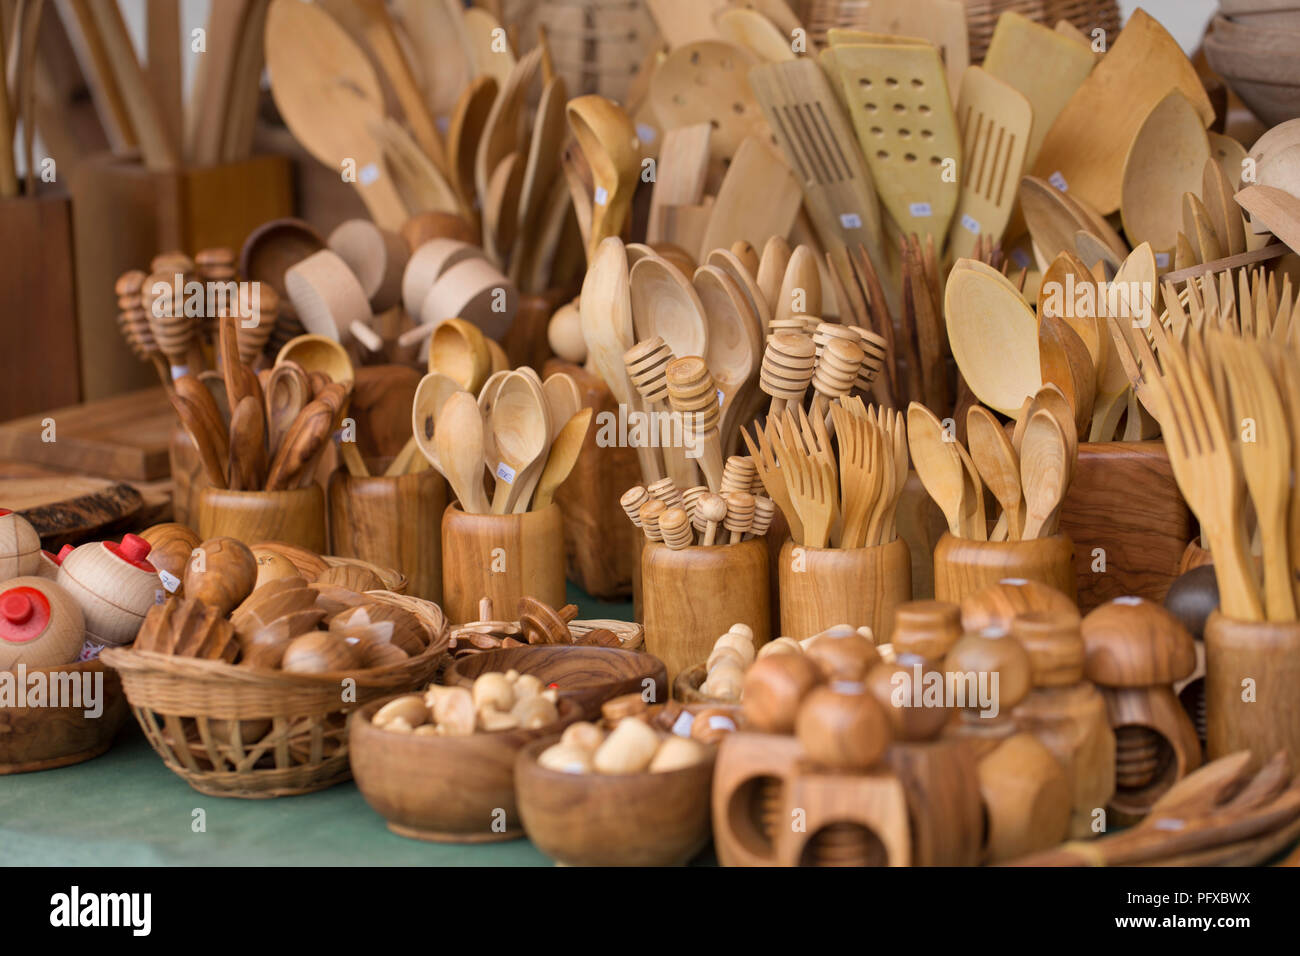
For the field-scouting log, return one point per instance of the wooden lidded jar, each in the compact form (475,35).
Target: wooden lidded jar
(1135,651)
(1067,713)
(20,546)
(40,624)
(115,585)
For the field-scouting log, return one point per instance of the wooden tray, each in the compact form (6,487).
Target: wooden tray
(69,509)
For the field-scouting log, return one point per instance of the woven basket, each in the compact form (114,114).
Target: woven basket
(598,46)
(981,17)
(298,721)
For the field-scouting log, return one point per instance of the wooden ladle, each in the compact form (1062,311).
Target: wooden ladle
(458,440)
(521,432)
(609,142)
(459,351)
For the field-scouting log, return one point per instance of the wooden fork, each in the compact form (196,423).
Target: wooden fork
(774,480)
(807,481)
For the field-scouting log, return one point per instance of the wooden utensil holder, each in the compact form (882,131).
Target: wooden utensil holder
(188,478)
(296,516)
(823,587)
(123,215)
(1128,521)
(502,557)
(36,269)
(694,595)
(390,522)
(963,567)
(1267,654)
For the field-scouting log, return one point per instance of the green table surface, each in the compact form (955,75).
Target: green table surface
(126,809)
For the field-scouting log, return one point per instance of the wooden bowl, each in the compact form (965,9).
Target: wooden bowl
(273,247)
(686,688)
(42,738)
(587,675)
(592,819)
(443,789)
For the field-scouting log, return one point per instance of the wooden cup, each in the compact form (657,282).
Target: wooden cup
(390,522)
(694,595)
(823,587)
(188,477)
(1260,662)
(502,557)
(963,567)
(296,516)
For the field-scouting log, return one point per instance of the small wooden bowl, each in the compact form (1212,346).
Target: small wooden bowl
(686,689)
(587,675)
(593,819)
(273,248)
(42,738)
(471,290)
(443,789)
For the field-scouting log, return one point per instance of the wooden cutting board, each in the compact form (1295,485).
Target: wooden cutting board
(69,509)
(1084,151)
(124,437)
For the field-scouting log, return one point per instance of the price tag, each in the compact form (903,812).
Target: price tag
(505,473)
(646,133)
(170,581)
(368,174)
(1020,258)
(970,224)
(682,726)
(850,220)
(1162,260)
(601,197)
(1057,180)
(920,210)
(720,396)
(89,651)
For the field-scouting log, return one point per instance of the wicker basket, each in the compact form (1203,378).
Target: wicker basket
(598,46)
(298,721)
(981,17)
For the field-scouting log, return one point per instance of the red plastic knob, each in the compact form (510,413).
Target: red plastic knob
(133,550)
(16,607)
(64,551)
(5,511)
(24,615)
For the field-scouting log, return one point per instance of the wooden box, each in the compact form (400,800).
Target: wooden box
(40,369)
(1124,500)
(123,215)
(601,546)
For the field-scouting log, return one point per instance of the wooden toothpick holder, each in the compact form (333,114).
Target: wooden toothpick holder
(963,567)
(823,587)
(388,521)
(295,516)
(1252,687)
(501,557)
(692,596)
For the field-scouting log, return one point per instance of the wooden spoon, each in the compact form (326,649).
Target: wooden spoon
(318,353)
(994,336)
(247,465)
(521,431)
(735,347)
(562,457)
(458,440)
(288,390)
(609,143)
(1166,159)
(563,400)
(431,396)
(937,463)
(460,351)
(664,303)
(463,134)
(998,464)
(1044,471)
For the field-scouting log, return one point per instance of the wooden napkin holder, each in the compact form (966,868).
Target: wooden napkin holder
(1124,501)
(823,587)
(123,215)
(601,546)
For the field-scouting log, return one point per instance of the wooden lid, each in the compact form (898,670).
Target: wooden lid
(928,629)
(998,604)
(1054,645)
(1133,642)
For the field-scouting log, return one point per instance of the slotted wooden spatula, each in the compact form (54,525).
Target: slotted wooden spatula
(940,22)
(995,123)
(806,118)
(898,98)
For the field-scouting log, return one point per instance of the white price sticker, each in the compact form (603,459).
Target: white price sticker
(1162,260)
(646,133)
(1057,180)
(506,473)
(170,581)
(1020,258)
(682,726)
(601,197)
(920,210)
(850,220)
(368,174)
(970,224)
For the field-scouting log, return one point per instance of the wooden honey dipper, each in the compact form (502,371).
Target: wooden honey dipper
(650,513)
(836,372)
(665,490)
(133,323)
(712,510)
(798,324)
(213,265)
(252,339)
(690,499)
(694,396)
(174,333)
(787,370)
(764,512)
(647,364)
(874,350)
(167,266)
(631,502)
(740,514)
(675,529)
(738,474)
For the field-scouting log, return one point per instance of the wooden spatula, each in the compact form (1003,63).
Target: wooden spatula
(995,122)
(939,22)
(1085,148)
(758,169)
(705,82)
(1166,160)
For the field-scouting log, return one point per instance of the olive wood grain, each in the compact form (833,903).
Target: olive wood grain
(296,516)
(502,557)
(823,587)
(963,567)
(1268,655)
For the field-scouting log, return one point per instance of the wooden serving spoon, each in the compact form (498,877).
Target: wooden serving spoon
(458,440)
(1044,471)
(735,346)
(521,430)
(608,141)
(431,396)
(288,390)
(664,303)
(937,463)
(562,457)
(998,464)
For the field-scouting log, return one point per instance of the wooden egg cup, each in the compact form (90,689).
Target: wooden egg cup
(43,738)
(1267,653)
(501,557)
(963,567)
(295,516)
(1124,500)
(443,789)
(693,595)
(389,521)
(1147,719)
(823,587)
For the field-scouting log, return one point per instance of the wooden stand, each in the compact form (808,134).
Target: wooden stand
(601,547)
(848,819)
(942,784)
(502,557)
(694,595)
(390,522)
(36,275)
(1267,655)
(123,215)
(823,587)
(1124,500)
(749,783)
(963,567)
(294,517)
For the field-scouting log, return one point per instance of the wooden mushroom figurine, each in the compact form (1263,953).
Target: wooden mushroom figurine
(998,604)
(1136,650)
(927,629)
